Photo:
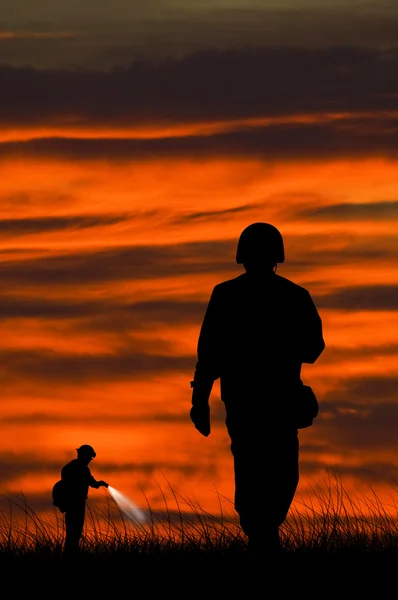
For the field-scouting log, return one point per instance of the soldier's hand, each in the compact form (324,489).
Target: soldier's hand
(200,417)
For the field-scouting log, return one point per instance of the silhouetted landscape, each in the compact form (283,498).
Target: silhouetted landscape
(338,534)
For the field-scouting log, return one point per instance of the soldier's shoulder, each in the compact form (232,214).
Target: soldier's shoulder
(290,286)
(229,284)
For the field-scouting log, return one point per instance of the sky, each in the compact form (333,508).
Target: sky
(137,140)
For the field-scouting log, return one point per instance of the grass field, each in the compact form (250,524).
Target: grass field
(336,541)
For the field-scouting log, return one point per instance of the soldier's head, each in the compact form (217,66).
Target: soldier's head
(86,453)
(260,246)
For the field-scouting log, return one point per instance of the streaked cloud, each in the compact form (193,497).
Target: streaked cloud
(77,370)
(143,262)
(362,298)
(129,263)
(314,142)
(13,465)
(13,227)
(167,312)
(370,211)
(215,215)
(368,423)
(158,311)
(364,389)
(105,36)
(244,82)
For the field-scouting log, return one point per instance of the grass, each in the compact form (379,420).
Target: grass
(331,532)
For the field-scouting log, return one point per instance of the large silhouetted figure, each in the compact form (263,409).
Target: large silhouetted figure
(77,478)
(257,331)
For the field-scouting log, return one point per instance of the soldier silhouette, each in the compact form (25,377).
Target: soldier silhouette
(258,330)
(77,478)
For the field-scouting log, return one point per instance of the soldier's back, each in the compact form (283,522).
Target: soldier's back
(259,322)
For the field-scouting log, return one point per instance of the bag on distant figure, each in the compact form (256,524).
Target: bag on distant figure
(59,495)
(306,407)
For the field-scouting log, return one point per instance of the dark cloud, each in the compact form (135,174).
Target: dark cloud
(382,387)
(78,369)
(113,315)
(215,216)
(360,414)
(334,476)
(370,211)
(304,252)
(336,354)
(275,142)
(209,85)
(214,256)
(357,298)
(363,422)
(364,389)
(127,263)
(165,312)
(25,199)
(36,225)
(15,465)
(113,35)
(108,419)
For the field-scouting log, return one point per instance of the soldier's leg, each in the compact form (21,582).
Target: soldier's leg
(266,479)
(74,523)
(248,489)
(286,475)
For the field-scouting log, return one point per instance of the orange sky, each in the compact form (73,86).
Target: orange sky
(106,269)
(134,148)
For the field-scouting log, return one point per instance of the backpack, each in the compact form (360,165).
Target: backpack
(59,495)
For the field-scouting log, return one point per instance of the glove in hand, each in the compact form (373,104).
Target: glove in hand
(200,417)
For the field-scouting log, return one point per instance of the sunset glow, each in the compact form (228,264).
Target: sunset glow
(123,192)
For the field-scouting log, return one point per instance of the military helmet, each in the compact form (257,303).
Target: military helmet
(260,242)
(86,450)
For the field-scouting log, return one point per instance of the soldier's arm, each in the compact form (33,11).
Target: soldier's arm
(313,343)
(92,482)
(206,371)
(98,484)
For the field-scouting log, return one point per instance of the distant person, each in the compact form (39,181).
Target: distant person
(257,331)
(77,478)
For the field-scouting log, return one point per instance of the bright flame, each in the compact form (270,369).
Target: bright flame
(130,509)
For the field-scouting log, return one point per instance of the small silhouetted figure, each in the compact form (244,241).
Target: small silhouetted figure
(77,476)
(257,331)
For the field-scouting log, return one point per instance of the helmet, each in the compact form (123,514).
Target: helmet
(86,450)
(259,242)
